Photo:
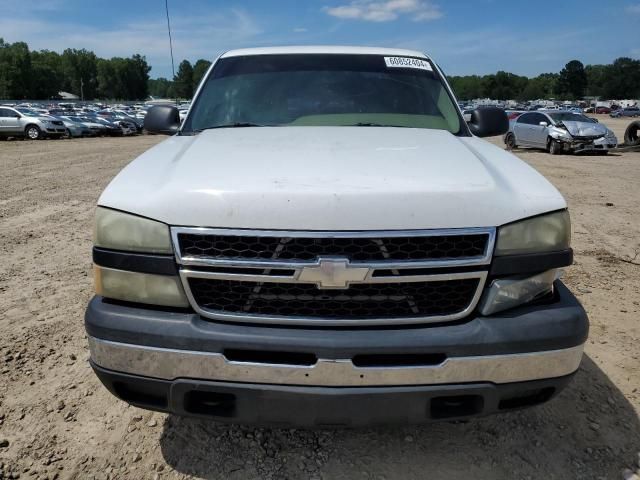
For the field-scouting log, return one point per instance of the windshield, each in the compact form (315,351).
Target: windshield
(27,112)
(324,90)
(570,117)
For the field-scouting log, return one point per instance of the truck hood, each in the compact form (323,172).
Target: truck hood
(330,178)
(585,129)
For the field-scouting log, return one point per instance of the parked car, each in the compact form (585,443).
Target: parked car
(23,122)
(626,112)
(75,127)
(96,127)
(128,128)
(559,132)
(114,115)
(112,128)
(603,110)
(293,254)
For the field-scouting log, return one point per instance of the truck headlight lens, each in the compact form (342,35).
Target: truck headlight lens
(510,292)
(546,233)
(137,287)
(122,231)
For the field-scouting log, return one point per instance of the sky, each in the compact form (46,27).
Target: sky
(464,37)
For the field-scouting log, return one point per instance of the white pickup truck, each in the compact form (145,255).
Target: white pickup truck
(325,241)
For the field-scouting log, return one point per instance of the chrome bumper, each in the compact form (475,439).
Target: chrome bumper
(170,364)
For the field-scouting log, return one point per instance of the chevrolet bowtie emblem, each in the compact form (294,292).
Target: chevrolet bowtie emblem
(333,273)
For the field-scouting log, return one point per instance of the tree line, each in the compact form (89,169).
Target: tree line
(41,74)
(184,82)
(615,81)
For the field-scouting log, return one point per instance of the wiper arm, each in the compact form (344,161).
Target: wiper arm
(231,125)
(370,124)
(367,124)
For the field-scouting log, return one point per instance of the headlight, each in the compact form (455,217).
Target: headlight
(545,233)
(507,293)
(122,231)
(138,287)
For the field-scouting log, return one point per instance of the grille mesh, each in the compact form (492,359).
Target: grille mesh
(359,301)
(358,249)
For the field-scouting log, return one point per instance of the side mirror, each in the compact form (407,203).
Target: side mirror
(543,124)
(162,119)
(488,122)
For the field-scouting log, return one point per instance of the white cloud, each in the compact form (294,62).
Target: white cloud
(634,9)
(204,36)
(300,30)
(386,10)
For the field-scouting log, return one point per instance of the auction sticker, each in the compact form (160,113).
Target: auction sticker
(407,62)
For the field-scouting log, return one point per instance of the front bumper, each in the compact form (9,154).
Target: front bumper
(602,144)
(53,131)
(181,363)
(301,406)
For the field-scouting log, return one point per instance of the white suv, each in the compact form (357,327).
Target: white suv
(325,241)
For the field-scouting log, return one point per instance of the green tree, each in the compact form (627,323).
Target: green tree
(572,82)
(199,69)
(123,78)
(80,72)
(107,79)
(467,87)
(46,74)
(503,85)
(623,79)
(184,80)
(542,86)
(597,78)
(15,70)
(161,88)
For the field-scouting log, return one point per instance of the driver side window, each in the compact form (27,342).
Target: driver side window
(528,118)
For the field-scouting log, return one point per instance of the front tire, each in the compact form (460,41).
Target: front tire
(555,147)
(510,141)
(32,132)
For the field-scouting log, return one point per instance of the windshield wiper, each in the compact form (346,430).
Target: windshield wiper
(231,125)
(370,124)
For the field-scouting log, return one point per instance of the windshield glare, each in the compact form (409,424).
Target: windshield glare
(322,90)
(27,112)
(570,117)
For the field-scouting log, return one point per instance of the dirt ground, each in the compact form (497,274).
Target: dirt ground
(57,421)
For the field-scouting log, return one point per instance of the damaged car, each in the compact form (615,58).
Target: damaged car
(559,132)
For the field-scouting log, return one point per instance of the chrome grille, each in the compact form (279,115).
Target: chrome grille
(354,248)
(358,302)
(333,278)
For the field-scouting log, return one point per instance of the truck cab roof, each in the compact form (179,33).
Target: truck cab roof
(331,49)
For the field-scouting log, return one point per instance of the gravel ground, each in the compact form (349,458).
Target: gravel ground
(57,421)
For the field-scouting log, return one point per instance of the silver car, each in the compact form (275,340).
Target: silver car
(558,132)
(75,127)
(23,122)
